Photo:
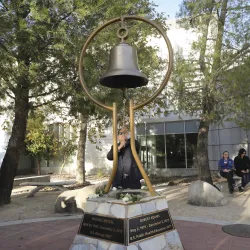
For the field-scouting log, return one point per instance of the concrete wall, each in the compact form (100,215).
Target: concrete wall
(220,138)
(4,138)
(166,172)
(25,165)
(96,160)
(43,178)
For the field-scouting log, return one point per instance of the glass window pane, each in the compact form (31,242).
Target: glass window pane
(174,127)
(140,129)
(175,148)
(143,150)
(156,151)
(155,128)
(191,143)
(191,126)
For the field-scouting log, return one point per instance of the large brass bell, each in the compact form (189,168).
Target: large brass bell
(123,70)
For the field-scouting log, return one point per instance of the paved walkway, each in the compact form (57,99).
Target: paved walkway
(59,234)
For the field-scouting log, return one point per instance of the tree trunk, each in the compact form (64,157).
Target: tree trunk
(14,148)
(202,153)
(38,166)
(80,167)
(63,164)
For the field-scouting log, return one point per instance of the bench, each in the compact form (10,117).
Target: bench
(235,177)
(39,185)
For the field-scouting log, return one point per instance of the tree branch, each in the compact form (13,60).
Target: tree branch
(10,86)
(45,93)
(245,50)
(48,102)
(4,5)
(9,95)
(239,8)
(205,37)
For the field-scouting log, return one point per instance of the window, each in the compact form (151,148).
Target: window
(169,144)
(174,127)
(143,150)
(156,151)
(175,150)
(191,126)
(140,129)
(155,129)
(191,147)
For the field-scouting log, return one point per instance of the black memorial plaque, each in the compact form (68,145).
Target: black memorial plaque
(146,226)
(101,227)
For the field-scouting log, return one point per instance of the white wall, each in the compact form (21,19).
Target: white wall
(4,138)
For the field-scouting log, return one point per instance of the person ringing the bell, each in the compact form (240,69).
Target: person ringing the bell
(128,174)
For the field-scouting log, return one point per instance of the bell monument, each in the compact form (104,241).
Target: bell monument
(109,222)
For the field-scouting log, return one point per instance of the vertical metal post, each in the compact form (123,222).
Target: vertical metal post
(165,146)
(115,149)
(146,140)
(185,143)
(132,143)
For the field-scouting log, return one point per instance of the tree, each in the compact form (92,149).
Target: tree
(80,169)
(203,78)
(34,65)
(39,49)
(40,142)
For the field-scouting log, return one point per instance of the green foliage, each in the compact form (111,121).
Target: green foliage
(67,141)
(100,173)
(129,197)
(41,45)
(213,80)
(40,142)
(206,82)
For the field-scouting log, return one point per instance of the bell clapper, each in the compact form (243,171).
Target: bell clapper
(124,97)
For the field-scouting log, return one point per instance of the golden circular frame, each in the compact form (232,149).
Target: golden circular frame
(115,20)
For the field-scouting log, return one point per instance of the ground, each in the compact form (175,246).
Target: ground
(42,204)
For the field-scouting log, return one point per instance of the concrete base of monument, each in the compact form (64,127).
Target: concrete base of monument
(112,224)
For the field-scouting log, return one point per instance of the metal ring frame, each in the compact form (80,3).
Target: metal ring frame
(131,105)
(115,20)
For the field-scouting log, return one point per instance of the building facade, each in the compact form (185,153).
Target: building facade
(168,143)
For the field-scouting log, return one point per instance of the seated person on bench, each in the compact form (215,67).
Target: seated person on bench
(227,171)
(242,167)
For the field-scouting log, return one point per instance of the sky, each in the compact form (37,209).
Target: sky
(170,7)
(179,37)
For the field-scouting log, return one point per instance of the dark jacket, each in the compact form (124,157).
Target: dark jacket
(128,175)
(241,164)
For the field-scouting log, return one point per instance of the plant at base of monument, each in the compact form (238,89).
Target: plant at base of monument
(93,196)
(129,197)
(100,190)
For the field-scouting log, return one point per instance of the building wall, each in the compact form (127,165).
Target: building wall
(96,160)
(227,137)
(4,137)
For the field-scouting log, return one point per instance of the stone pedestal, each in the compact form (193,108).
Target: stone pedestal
(111,224)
